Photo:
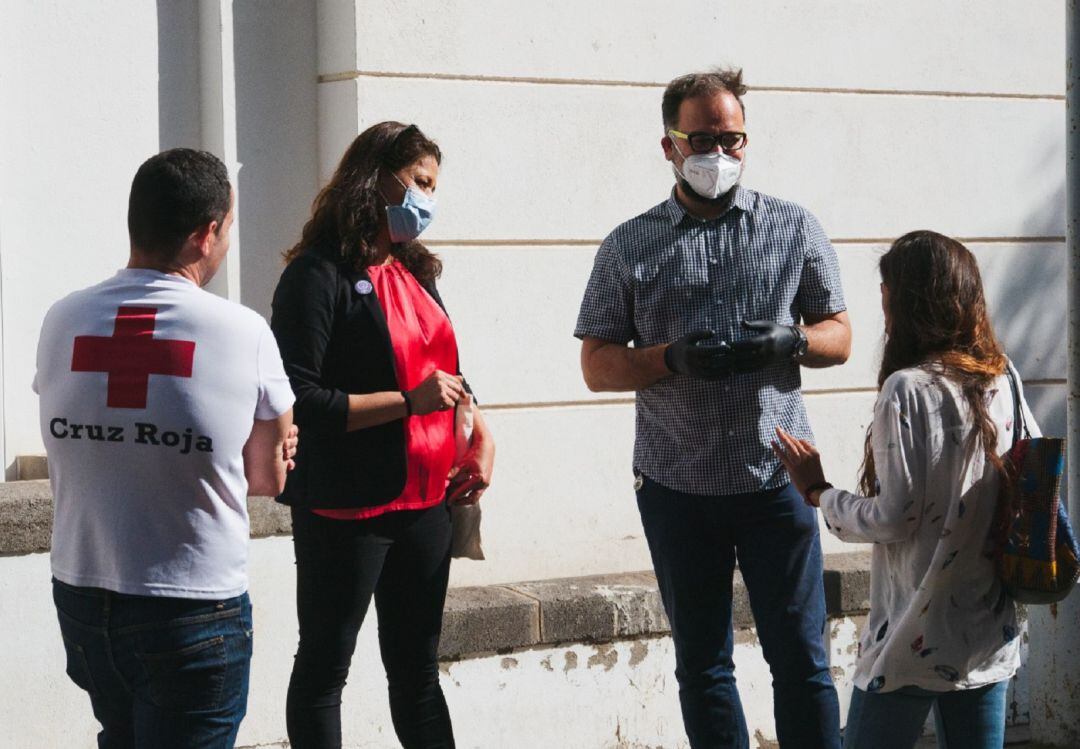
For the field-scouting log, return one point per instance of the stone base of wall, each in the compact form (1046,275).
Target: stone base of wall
(583,662)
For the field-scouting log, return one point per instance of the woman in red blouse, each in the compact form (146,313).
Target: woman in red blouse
(373,360)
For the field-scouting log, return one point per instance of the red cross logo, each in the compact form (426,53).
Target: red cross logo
(131,355)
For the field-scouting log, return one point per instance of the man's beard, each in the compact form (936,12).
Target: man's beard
(694,195)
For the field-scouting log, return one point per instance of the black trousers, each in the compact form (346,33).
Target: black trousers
(403,558)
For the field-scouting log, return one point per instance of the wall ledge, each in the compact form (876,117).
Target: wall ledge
(497,619)
(490,619)
(26,509)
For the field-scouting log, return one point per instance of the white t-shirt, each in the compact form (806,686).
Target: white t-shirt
(149,389)
(939,618)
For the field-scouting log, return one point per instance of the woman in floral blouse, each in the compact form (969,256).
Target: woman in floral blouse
(941,632)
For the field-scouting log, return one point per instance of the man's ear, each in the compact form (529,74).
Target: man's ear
(668,146)
(203,237)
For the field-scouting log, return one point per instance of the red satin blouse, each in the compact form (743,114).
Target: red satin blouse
(423,341)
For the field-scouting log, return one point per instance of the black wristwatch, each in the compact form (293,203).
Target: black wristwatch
(800,344)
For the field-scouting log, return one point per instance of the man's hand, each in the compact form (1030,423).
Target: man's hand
(288,447)
(771,343)
(267,455)
(689,357)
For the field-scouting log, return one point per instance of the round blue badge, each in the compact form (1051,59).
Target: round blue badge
(363,287)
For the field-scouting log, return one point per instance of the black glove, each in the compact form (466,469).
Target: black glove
(772,343)
(689,357)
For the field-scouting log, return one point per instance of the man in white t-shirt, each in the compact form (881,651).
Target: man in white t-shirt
(163,407)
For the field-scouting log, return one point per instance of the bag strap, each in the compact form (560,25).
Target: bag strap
(1018,411)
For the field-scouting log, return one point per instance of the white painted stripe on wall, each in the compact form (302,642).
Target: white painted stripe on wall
(962,45)
(571,162)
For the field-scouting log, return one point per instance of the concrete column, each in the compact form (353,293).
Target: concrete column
(1072,201)
(1055,634)
(217,93)
(338,96)
(11,472)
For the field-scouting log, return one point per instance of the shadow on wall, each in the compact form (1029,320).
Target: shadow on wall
(1026,292)
(276,120)
(1049,219)
(178,75)
(1025,289)
(276,109)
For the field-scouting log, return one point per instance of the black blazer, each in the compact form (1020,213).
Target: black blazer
(334,341)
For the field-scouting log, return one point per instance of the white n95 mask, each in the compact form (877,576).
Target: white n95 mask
(709,174)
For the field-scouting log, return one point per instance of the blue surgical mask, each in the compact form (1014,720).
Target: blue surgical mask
(407,221)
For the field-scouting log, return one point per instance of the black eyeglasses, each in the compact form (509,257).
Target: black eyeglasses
(705,142)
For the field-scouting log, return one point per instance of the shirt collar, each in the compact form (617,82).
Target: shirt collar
(743,200)
(149,274)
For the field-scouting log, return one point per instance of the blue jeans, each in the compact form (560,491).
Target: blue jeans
(695,542)
(160,672)
(965,719)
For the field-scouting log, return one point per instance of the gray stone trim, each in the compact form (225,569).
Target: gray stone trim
(492,618)
(26,517)
(604,608)
(31,467)
(847,583)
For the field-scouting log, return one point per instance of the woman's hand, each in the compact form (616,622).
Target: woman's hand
(472,474)
(802,461)
(440,391)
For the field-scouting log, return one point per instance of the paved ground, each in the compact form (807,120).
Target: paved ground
(1015,738)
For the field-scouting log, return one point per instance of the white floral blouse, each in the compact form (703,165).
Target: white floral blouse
(939,618)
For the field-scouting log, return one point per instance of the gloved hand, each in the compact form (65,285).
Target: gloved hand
(771,343)
(689,357)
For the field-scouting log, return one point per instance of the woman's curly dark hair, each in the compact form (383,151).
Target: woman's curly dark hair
(938,319)
(346,214)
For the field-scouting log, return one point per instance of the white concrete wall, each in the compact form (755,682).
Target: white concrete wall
(587,696)
(878,117)
(88,91)
(875,119)
(80,113)
(966,46)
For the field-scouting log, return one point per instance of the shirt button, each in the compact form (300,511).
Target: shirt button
(731,433)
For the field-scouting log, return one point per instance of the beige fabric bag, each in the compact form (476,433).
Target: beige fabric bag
(465,519)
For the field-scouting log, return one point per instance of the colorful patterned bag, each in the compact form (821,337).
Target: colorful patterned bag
(1037,557)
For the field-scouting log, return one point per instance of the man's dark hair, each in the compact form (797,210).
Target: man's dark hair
(701,84)
(172,195)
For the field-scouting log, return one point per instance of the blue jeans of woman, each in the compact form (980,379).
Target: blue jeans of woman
(403,560)
(963,719)
(695,542)
(160,672)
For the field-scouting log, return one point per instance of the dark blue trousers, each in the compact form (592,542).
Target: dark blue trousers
(695,542)
(162,673)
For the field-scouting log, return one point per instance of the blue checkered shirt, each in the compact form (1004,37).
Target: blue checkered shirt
(664,274)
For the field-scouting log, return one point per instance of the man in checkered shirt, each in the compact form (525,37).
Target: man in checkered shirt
(725,293)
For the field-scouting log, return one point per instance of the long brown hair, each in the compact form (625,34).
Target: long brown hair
(937,316)
(346,214)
